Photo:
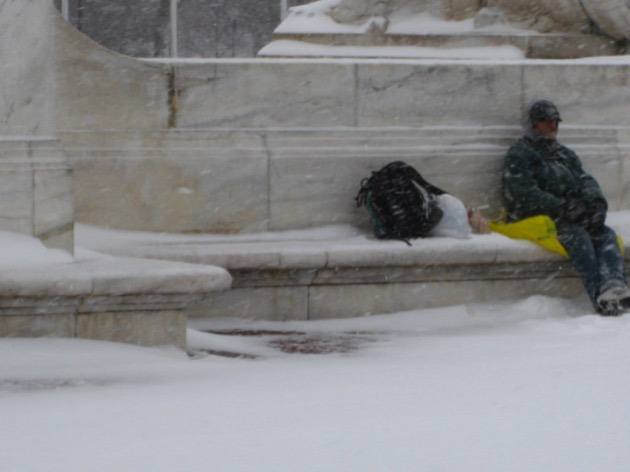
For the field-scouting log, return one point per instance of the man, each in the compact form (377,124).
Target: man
(543,177)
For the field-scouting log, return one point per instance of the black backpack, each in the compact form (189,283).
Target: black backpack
(401,204)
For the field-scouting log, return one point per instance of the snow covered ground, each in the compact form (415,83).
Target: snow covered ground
(537,384)
(22,251)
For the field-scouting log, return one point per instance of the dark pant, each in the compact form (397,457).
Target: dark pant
(595,255)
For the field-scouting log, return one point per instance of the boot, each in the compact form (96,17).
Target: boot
(614,301)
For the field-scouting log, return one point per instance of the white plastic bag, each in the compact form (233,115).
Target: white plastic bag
(454,222)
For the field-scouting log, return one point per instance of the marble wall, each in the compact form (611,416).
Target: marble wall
(453,94)
(254,144)
(171,180)
(36,189)
(262,94)
(35,179)
(585,93)
(27,81)
(229,181)
(98,90)
(296,93)
(192,145)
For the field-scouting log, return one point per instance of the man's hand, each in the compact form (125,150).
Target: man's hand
(596,215)
(574,210)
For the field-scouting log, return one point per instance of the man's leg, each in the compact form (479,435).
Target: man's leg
(579,245)
(614,294)
(609,257)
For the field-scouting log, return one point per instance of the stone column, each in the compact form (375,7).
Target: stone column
(35,179)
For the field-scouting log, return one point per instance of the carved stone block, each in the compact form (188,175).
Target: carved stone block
(37,191)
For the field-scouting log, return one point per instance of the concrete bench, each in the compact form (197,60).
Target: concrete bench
(339,272)
(106,298)
(268,186)
(251,182)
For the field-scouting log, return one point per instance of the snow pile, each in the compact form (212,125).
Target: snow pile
(22,251)
(423,23)
(538,384)
(308,241)
(103,237)
(314,18)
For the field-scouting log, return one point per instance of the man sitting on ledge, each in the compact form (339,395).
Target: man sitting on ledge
(543,177)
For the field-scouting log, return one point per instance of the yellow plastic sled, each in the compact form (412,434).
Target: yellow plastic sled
(539,229)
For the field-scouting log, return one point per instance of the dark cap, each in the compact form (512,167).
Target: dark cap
(543,110)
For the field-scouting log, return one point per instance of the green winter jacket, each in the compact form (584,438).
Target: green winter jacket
(540,174)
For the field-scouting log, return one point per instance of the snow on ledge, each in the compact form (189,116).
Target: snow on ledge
(23,251)
(314,18)
(426,24)
(286,47)
(343,246)
(610,61)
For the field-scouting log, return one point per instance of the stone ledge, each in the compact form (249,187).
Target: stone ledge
(353,275)
(108,298)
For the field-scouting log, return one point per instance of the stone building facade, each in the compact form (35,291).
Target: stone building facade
(206,28)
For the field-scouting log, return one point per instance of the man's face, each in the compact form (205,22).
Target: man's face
(547,128)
